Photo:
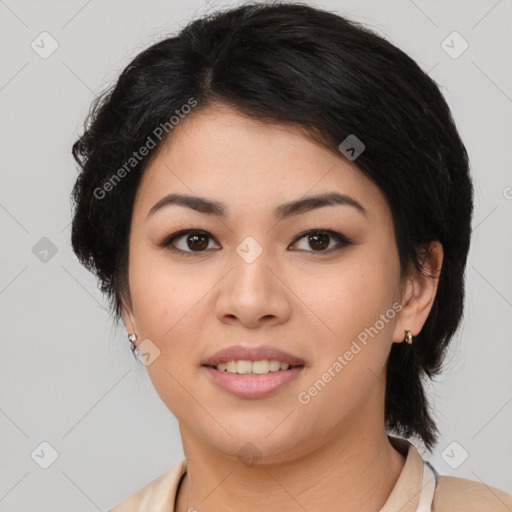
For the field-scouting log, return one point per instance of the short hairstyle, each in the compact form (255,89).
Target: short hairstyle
(291,63)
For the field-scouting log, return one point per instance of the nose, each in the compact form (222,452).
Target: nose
(253,293)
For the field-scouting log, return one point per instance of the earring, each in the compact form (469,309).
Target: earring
(408,337)
(132,338)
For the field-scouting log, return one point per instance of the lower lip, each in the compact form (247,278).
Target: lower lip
(253,386)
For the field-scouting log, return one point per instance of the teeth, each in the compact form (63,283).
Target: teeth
(274,365)
(244,366)
(258,367)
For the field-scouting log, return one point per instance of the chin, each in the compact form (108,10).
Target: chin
(258,443)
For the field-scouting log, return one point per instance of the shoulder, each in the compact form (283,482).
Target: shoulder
(453,494)
(155,495)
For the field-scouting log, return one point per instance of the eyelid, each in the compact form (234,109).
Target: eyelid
(336,235)
(167,241)
(342,240)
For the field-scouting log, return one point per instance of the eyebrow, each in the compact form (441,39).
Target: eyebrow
(303,205)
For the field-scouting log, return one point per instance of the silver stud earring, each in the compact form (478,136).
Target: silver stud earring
(132,338)
(408,337)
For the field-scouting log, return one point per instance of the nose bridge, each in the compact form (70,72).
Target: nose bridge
(252,291)
(251,263)
(250,250)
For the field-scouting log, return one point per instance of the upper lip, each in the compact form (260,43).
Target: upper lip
(240,352)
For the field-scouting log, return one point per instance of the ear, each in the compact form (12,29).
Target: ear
(128,316)
(419,292)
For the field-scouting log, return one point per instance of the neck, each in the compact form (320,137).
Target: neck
(356,470)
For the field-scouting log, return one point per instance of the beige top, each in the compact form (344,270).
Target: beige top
(418,488)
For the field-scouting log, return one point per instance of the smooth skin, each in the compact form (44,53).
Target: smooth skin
(333,452)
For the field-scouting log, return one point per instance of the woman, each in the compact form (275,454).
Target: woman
(278,205)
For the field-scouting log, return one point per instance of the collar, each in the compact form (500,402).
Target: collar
(404,497)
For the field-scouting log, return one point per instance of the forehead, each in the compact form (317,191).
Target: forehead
(219,153)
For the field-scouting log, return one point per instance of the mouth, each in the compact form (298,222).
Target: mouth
(253,372)
(249,368)
(252,359)
(252,384)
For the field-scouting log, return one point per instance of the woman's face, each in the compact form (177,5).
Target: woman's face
(249,280)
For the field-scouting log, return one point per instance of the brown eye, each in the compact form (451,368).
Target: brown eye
(319,240)
(187,242)
(197,242)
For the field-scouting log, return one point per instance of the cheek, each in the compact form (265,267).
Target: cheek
(161,294)
(352,341)
(348,297)
(165,300)
(170,304)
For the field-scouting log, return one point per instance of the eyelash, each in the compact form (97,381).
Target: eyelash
(338,237)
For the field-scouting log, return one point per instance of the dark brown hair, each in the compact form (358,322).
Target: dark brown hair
(293,63)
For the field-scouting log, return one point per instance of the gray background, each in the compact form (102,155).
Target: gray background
(68,376)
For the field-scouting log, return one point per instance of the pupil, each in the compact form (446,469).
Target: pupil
(321,236)
(194,238)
